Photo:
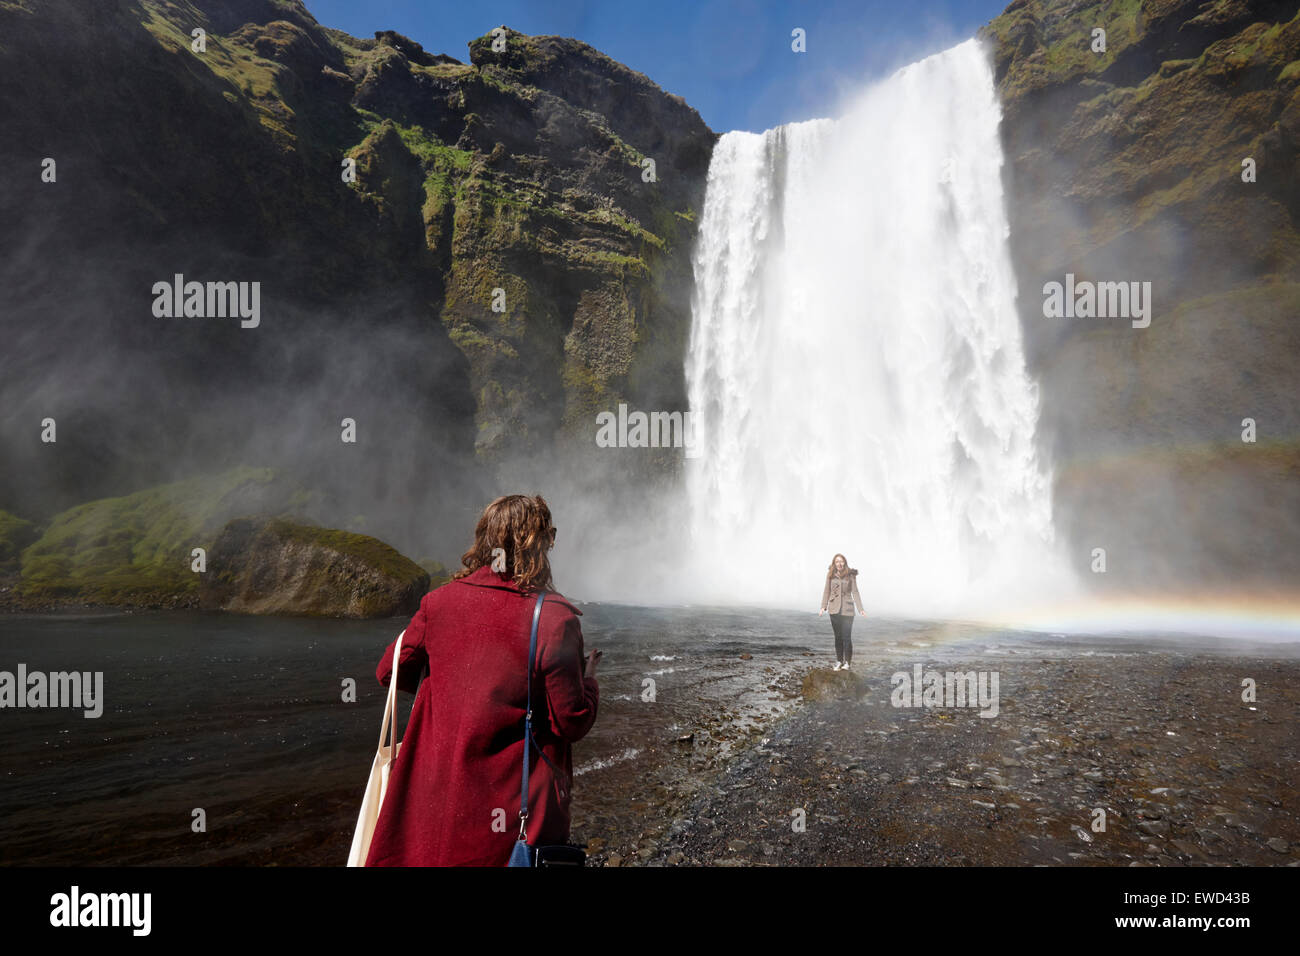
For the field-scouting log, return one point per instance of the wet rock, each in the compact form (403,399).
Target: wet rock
(1187,850)
(1212,841)
(1278,845)
(825,684)
(1154,827)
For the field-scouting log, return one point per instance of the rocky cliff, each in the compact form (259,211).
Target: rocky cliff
(1126,164)
(274,566)
(509,253)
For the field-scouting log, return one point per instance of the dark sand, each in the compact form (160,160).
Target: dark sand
(1187,773)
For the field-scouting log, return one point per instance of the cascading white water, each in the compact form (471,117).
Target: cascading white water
(855,367)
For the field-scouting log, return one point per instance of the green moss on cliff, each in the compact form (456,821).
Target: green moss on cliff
(15,535)
(372,551)
(137,547)
(1056,40)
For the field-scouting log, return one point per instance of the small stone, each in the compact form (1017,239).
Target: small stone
(1187,849)
(957,782)
(1154,827)
(614,860)
(1278,845)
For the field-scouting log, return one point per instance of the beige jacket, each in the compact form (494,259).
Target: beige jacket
(840,594)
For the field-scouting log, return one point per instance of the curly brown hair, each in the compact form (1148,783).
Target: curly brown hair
(847,570)
(521,526)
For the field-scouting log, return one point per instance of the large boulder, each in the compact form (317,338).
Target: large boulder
(822,683)
(137,550)
(276,566)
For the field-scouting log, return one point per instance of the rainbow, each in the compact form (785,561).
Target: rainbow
(1262,617)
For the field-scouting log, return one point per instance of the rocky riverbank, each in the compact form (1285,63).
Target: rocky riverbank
(1160,740)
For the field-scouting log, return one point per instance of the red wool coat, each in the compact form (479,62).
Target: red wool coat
(461,760)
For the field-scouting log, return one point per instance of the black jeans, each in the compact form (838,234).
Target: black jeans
(842,625)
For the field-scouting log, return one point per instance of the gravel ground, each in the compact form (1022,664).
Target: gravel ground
(1186,772)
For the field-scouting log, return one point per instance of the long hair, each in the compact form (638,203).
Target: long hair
(831,570)
(521,526)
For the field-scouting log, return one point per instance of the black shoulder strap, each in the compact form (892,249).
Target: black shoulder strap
(528,714)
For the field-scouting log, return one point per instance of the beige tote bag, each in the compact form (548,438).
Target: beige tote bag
(377,785)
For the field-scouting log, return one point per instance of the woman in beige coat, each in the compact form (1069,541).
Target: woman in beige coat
(838,597)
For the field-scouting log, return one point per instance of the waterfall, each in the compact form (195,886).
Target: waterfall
(855,367)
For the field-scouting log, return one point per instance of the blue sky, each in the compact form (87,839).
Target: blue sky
(730,59)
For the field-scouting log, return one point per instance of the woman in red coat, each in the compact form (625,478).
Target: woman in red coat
(453,796)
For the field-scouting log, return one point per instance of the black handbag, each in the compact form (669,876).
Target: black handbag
(564,854)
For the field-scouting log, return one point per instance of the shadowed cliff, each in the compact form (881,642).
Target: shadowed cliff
(521,171)
(1127,165)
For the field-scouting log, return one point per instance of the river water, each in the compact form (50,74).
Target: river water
(243,717)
